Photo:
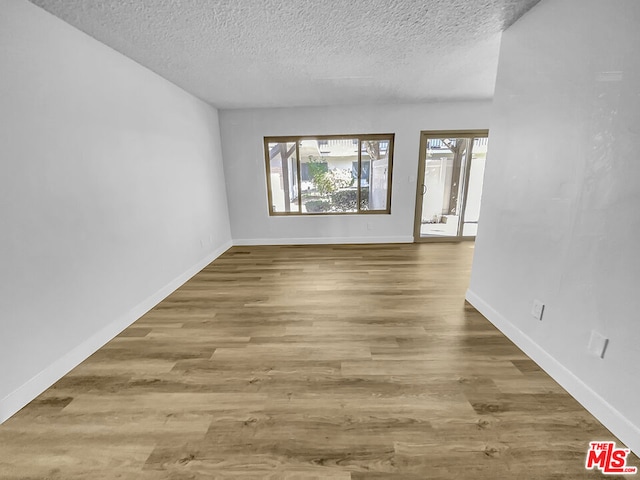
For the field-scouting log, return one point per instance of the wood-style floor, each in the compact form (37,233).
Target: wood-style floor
(309,362)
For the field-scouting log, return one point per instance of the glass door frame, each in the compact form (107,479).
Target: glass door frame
(425,135)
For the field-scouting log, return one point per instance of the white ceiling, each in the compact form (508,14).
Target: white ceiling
(251,53)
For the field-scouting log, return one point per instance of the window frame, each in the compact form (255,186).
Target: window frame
(390,137)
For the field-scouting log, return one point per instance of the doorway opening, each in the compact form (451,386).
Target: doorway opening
(450,177)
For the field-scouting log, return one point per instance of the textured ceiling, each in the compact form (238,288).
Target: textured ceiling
(251,53)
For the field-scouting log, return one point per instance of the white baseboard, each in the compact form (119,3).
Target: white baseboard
(321,240)
(609,416)
(21,396)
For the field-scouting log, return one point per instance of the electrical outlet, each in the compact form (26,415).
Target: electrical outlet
(369,226)
(537,310)
(598,344)
(201,243)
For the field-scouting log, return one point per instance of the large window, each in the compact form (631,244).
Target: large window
(334,174)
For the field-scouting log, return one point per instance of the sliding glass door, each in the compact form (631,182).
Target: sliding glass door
(450,184)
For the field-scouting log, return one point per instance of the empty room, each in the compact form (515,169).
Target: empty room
(319,240)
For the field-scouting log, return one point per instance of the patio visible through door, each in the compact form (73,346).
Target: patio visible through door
(450,177)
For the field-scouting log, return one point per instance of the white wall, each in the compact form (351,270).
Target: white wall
(242,139)
(111,179)
(560,220)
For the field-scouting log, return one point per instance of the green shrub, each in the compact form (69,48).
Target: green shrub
(346,200)
(328,181)
(317,206)
(364,198)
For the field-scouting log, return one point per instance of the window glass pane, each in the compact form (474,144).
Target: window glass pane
(476,178)
(374,174)
(283,177)
(328,180)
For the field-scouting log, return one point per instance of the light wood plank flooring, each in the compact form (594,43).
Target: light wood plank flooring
(308,362)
